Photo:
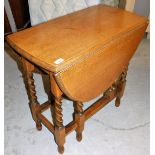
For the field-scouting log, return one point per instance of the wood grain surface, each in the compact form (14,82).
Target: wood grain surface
(73,36)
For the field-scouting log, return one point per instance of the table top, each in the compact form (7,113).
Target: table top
(58,43)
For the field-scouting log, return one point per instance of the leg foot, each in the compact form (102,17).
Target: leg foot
(117,102)
(61,149)
(79,136)
(39,126)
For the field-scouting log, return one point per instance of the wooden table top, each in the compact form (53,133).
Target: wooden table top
(58,43)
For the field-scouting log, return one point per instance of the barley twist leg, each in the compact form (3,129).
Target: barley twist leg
(59,133)
(79,119)
(28,69)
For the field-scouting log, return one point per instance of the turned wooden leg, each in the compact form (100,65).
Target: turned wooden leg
(58,116)
(120,87)
(59,128)
(28,69)
(79,119)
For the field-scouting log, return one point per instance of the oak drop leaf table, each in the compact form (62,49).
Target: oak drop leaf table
(85,54)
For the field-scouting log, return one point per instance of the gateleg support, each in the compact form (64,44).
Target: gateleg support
(59,129)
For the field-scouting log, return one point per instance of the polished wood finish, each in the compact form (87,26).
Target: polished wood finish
(85,74)
(95,46)
(74,36)
(83,47)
